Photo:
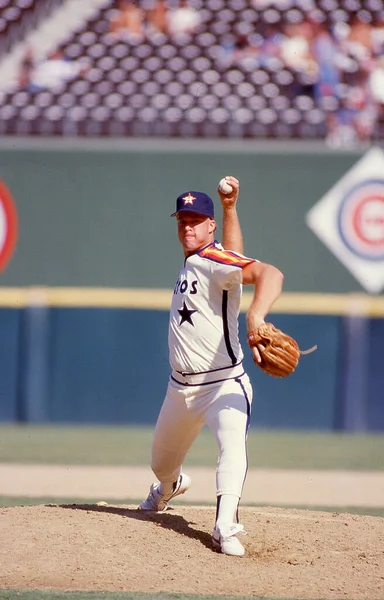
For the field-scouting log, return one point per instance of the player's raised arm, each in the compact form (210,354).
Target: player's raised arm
(268,282)
(232,238)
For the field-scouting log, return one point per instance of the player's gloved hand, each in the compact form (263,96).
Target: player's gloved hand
(277,353)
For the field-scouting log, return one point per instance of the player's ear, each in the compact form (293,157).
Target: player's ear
(212,225)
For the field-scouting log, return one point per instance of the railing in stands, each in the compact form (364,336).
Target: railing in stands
(15,31)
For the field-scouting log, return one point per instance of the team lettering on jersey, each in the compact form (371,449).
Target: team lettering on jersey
(203,328)
(184,287)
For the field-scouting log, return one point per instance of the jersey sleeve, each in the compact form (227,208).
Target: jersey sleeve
(226,264)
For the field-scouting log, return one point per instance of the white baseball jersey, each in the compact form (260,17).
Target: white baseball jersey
(203,328)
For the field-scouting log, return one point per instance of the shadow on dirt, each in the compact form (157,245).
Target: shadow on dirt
(175,522)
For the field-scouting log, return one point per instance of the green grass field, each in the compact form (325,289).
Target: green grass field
(116,446)
(76,445)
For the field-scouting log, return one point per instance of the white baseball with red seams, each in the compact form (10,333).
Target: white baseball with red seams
(224,186)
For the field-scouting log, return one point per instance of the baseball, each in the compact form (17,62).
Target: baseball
(224,187)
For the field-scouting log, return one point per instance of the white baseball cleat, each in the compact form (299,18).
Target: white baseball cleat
(159,503)
(224,539)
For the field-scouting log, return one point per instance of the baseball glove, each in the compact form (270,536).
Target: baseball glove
(279,352)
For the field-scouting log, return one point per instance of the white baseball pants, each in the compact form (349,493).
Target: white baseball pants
(225,407)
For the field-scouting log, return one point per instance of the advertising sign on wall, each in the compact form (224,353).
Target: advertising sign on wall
(349,220)
(8,225)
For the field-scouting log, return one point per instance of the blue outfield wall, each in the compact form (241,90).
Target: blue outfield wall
(375,387)
(110,366)
(9,363)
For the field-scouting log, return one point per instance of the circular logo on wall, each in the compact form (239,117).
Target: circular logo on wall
(361,219)
(8,225)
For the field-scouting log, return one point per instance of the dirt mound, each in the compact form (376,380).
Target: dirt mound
(289,553)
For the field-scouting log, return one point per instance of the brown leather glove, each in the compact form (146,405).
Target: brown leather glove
(279,352)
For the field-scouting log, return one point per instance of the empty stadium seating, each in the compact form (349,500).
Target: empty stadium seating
(185,85)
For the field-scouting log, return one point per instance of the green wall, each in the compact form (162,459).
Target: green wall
(98,214)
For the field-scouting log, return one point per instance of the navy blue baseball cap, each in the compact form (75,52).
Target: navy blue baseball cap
(197,202)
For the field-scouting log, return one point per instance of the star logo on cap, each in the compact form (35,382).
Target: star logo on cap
(189,199)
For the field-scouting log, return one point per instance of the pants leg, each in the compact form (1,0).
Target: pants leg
(228,418)
(176,429)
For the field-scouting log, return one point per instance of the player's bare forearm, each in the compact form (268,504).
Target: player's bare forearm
(268,282)
(232,234)
(232,238)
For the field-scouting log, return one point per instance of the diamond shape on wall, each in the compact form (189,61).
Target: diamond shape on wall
(349,220)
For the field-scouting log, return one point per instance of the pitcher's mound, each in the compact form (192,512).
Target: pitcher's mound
(289,553)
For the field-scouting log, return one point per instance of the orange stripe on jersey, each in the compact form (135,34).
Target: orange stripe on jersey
(225,257)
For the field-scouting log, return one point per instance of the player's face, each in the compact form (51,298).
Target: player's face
(195,231)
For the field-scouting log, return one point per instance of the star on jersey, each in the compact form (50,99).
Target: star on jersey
(189,199)
(186,314)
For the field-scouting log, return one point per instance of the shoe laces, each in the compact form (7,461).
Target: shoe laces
(235,529)
(155,493)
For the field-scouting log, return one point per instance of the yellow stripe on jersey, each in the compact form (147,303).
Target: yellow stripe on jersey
(225,257)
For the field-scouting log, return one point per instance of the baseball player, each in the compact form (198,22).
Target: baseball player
(208,385)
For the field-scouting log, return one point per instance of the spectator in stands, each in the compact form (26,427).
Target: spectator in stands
(183,19)
(325,52)
(378,37)
(51,72)
(376,80)
(375,84)
(128,20)
(341,131)
(26,67)
(355,119)
(157,18)
(360,40)
(240,52)
(296,48)
(270,48)
(366,113)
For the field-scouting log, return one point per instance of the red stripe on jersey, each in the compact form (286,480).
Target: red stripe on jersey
(226,257)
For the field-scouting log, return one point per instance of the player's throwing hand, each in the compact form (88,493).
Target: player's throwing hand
(228,198)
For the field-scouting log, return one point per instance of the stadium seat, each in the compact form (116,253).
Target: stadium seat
(185,84)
